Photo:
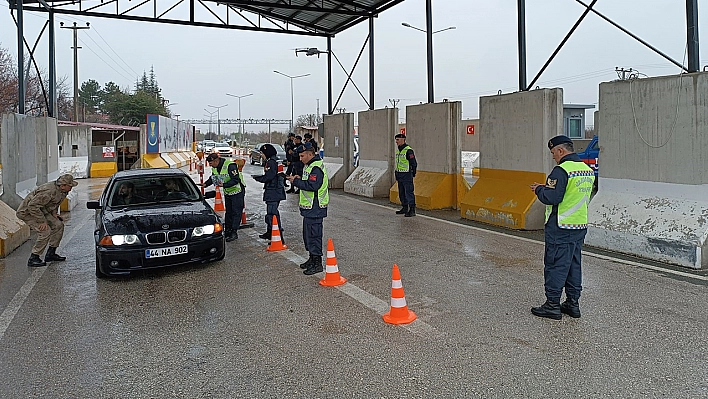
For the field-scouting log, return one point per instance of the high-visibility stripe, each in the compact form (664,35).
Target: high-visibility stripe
(396,284)
(330,254)
(398,302)
(276,238)
(332,269)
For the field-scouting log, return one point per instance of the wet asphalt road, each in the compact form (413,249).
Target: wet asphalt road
(253,326)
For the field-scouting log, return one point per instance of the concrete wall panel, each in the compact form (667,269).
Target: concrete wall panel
(70,136)
(19,139)
(374,176)
(338,144)
(658,126)
(469,142)
(432,131)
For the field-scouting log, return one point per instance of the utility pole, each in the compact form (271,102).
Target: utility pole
(394,101)
(76,48)
(318,111)
(218,119)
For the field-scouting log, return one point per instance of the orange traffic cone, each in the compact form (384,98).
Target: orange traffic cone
(399,313)
(332,277)
(218,202)
(276,244)
(244,223)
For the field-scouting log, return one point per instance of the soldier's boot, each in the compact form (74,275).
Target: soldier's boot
(35,261)
(549,310)
(411,211)
(52,256)
(315,266)
(307,263)
(403,210)
(571,307)
(266,235)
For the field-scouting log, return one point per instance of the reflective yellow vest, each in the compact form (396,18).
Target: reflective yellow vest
(307,198)
(223,177)
(402,164)
(573,210)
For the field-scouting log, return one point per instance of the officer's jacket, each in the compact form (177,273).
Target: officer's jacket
(313,183)
(552,193)
(412,164)
(42,203)
(233,174)
(273,183)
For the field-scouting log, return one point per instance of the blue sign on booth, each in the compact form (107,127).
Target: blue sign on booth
(153,134)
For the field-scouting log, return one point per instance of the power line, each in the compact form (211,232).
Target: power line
(109,46)
(111,57)
(105,62)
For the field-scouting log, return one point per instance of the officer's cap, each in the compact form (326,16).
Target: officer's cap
(298,137)
(400,136)
(308,135)
(559,140)
(211,157)
(305,147)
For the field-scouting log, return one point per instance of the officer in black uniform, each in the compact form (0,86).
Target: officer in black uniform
(289,150)
(314,198)
(566,195)
(406,168)
(234,203)
(309,139)
(273,188)
(298,166)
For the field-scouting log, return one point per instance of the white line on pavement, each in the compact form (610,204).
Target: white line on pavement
(417,327)
(585,253)
(19,299)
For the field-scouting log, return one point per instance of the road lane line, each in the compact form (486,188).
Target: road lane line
(417,327)
(529,240)
(19,299)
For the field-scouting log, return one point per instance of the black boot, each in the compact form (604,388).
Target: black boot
(549,309)
(35,261)
(570,307)
(231,235)
(52,256)
(307,263)
(411,211)
(404,210)
(315,266)
(266,235)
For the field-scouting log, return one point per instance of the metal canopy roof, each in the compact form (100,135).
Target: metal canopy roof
(319,16)
(299,17)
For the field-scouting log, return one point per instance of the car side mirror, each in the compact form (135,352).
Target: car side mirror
(93,205)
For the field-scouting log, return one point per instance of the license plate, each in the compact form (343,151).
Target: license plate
(161,252)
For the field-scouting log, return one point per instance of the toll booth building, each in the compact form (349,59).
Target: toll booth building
(574,120)
(100,149)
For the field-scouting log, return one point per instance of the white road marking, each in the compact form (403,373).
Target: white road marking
(529,240)
(19,299)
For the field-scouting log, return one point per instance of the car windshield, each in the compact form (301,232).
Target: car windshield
(222,145)
(152,190)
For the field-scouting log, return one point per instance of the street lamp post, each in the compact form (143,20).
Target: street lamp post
(211,116)
(218,119)
(240,123)
(429,32)
(292,101)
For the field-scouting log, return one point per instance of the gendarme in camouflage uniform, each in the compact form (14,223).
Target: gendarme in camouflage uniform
(40,211)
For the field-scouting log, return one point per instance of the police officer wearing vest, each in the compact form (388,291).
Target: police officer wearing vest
(314,197)
(226,174)
(406,166)
(566,195)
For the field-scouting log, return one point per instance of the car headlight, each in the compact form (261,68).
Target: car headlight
(119,239)
(208,229)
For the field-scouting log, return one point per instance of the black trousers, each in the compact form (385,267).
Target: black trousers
(406,192)
(312,235)
(234,205)
(562,269)
(272,210)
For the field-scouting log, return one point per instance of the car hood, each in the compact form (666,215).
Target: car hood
(132,220)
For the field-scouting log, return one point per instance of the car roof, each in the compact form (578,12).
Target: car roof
(137,173)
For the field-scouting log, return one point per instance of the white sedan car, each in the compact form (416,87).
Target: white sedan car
(223,149)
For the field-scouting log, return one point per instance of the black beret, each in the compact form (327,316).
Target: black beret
(291,134)
(306,146)
(268,150)
(298,137)
(559,140)
(212,157)
(400,136)
(308,135)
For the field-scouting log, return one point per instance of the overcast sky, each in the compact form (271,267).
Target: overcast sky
(196,67)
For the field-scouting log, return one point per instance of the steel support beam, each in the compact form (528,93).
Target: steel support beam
(429,34)
(330,110)
(521,30)
(694,56)
(52,111)
(371,63)
(20,59)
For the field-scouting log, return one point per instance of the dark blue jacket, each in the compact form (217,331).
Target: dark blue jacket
(273,183)
(552,194)
(312,184)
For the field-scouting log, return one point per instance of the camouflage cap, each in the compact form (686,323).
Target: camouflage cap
(67,179)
